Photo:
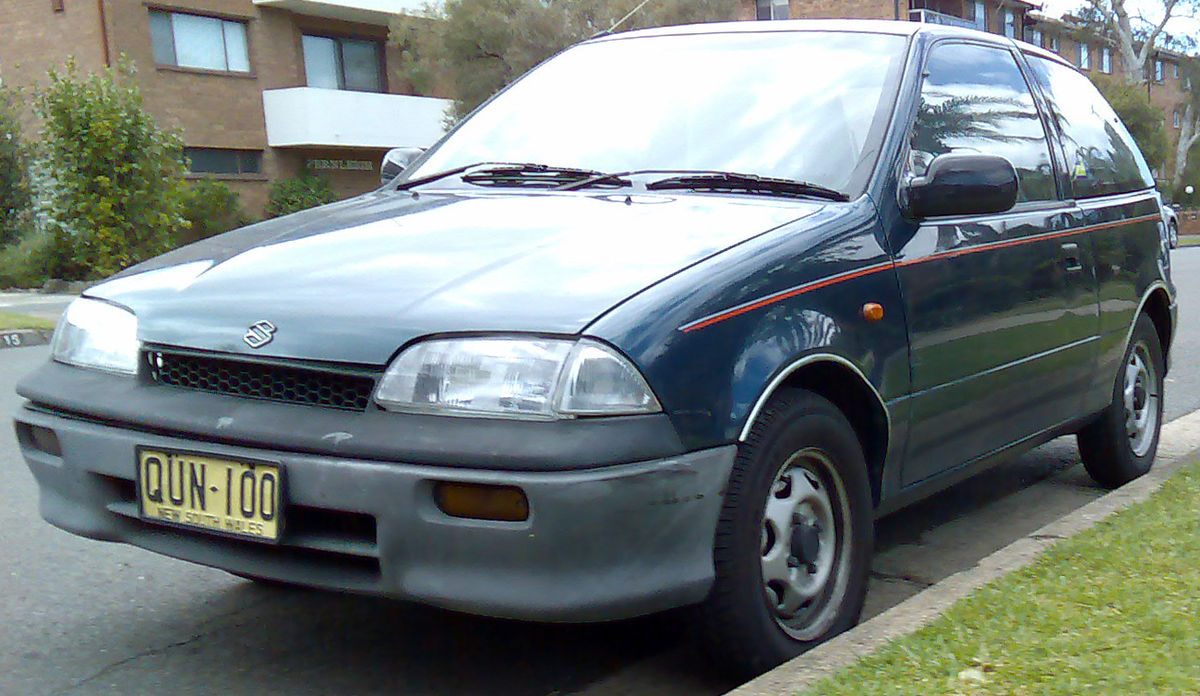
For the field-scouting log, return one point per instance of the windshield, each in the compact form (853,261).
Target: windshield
(792,105)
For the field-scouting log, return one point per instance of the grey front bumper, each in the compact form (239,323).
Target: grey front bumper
(602,543)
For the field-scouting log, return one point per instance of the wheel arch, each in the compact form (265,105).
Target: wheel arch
(842,383)
(1157,305)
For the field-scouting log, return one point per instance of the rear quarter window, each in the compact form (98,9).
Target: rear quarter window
(1102,157)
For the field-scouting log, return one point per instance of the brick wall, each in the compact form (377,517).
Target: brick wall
(28,30)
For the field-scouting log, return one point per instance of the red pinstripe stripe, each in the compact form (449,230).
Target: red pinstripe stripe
(870,270)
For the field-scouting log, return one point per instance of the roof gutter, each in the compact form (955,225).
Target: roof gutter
(103,34)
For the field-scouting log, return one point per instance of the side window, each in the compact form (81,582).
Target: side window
(1102,157)
(974,99)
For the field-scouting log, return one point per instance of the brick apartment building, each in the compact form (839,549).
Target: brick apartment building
(265,89)
(1013,18)
(260,89)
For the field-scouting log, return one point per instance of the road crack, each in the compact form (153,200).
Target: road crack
(109,669)
(901,577)
(162,649)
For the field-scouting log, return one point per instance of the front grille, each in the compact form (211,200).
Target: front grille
(309,386)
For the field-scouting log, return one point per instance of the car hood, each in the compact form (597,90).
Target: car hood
(355,281)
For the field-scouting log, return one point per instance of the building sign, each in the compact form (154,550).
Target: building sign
(335,165)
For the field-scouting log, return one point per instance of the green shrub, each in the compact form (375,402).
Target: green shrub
(15,209)
(306,191)
(116,191)
(212,208)
(23,263)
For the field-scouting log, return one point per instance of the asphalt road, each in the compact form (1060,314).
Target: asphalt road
(81,617)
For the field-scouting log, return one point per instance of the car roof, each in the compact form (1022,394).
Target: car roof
(866,26)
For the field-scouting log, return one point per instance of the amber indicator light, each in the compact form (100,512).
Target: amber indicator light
(481,502)
(872,311)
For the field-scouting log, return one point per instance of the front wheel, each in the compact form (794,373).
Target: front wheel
(1120,444)
(793,544)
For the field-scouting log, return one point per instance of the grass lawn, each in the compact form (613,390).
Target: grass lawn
(15,320)
(1115,610)
(1189,240)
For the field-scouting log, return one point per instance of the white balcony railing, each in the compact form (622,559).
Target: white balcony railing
(311,117)
(931,17)
(364,11)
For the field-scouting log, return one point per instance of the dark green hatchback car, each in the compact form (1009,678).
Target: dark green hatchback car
(670,321)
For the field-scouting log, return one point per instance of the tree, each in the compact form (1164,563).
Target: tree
(1136,37)
(473,48)
(14,174)
(116,194)
(1189,122)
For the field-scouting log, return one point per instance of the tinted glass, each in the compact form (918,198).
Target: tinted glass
(1102,157)
(199,42)
(799,105)
(236,52)
(162,38)
(361,64)
(205,160)
(975,100)
(322,65)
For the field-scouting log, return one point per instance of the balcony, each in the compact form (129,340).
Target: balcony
(364,11)
(311,117)
(931,17)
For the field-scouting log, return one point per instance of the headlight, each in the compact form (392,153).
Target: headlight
(97,335)
(530,378)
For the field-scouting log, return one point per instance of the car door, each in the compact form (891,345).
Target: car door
(1001,308)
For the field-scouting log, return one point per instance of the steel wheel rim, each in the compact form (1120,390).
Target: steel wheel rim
(804,547)
(1140,394)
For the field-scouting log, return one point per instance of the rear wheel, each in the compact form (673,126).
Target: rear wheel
(793,544)
(1120,445)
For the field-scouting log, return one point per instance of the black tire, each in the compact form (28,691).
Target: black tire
(1114,450)
(798,434)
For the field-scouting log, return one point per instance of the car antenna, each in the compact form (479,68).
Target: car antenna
(620,21)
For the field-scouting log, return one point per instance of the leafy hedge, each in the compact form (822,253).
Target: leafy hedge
(306,191)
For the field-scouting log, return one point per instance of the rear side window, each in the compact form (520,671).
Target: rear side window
(1102,157)
(974,99)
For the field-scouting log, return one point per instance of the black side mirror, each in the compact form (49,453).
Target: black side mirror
(961,184)
(397,160)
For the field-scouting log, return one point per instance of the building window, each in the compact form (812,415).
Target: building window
(773,9)
(1175,69)
(980,13)
(1053,44)
(209,160)
(335,63)
(1177,121)
(1106,60)
(1010,24)
(1158,71)
(1085,57)
(1035,37)
(193,41)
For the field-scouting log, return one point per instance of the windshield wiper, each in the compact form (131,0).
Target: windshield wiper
(748,183)
(519,174)
(528,176)
(694,180)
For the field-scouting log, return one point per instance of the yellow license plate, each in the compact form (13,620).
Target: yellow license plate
(200,491)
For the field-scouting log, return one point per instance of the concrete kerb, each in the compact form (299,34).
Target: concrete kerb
(1179,442)
(21,338)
